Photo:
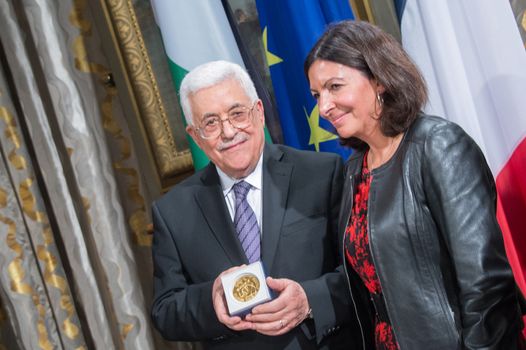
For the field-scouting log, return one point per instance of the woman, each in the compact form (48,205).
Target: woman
(424,252)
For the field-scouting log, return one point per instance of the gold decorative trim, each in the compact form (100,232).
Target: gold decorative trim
(126,328)
(362,10)
(3,198)
(170,161)
(17,275)
(15,268)
(11,134)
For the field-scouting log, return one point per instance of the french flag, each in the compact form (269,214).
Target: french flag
(474,61)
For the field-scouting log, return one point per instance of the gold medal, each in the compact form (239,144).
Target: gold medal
(246,287)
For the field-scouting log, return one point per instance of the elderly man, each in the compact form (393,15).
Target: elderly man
(291,208)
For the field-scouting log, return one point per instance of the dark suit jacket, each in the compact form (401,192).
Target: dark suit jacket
(195,240)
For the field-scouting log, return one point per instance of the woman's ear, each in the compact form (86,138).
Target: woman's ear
(379,88)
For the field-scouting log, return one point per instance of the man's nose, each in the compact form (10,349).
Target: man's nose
(228,131)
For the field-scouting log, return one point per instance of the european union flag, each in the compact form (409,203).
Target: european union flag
(290,29)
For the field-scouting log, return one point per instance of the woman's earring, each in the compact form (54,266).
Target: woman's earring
(380,99)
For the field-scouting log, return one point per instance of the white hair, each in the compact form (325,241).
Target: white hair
(209,74)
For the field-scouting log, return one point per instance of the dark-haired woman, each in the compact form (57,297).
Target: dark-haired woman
(423,250)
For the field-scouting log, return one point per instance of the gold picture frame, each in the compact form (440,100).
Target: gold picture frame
(162,126)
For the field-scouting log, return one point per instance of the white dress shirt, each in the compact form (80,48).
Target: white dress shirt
(254,196)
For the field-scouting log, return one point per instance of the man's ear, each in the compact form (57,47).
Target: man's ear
(261,110)
(193,133)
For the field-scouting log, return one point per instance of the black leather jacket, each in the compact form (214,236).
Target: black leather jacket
(436,244)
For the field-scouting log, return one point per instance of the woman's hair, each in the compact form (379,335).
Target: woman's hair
(375,53)
(209,74)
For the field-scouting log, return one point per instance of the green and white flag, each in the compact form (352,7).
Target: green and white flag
(194,32)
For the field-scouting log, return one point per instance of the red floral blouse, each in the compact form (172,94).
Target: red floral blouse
(358,255)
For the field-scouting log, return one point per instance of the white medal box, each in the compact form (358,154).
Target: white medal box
(245,288)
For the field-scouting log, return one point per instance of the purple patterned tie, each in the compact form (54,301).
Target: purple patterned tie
(246,223)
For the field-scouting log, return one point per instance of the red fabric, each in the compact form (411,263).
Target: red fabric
(511,210)
(358,255)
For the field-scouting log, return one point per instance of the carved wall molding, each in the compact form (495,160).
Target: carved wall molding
(171,161)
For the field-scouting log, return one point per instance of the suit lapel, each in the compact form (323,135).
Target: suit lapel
(276,181)
(212,204)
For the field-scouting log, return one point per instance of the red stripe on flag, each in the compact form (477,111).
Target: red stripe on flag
(511,211)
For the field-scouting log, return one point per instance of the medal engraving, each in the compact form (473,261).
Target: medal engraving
(246,287)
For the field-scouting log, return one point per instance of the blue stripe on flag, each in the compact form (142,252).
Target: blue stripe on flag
(292,28)
(399,7)
(336,10)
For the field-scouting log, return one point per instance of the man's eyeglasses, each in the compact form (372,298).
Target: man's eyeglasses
(212,125)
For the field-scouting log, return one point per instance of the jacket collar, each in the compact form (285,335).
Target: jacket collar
(276,174)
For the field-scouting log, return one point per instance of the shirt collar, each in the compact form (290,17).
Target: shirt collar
(254,178)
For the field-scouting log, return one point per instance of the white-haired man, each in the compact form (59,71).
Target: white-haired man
(294,201)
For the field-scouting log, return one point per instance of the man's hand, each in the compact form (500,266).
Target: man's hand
(283,313)
(218,297)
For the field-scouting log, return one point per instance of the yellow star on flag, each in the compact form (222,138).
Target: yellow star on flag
(317,133)
(271,58)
